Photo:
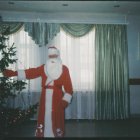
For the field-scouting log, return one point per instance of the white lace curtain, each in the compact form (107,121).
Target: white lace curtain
(29,55)
(77,54)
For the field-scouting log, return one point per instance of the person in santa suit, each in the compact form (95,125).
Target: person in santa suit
(53,100)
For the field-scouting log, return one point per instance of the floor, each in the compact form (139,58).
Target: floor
(87,128)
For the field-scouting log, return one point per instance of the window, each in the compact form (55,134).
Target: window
(29,55)
(79,55)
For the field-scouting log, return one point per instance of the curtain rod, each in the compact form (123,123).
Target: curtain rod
(61,22)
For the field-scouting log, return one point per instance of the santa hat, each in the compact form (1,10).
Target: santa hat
(53,50)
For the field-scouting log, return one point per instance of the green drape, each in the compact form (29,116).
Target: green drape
(111,86)
(13,27)
(42,33)
(77,30)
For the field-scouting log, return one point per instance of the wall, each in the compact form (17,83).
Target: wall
(134,63)
(133,23)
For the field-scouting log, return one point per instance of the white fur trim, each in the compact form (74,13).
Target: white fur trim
(21,75)
(48,130)
(48,81)
(45,69)
(52,51)
(67,97)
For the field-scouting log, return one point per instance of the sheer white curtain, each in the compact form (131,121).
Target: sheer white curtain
(29,55)
(79,55)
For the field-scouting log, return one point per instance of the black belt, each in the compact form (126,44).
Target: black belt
(49,87)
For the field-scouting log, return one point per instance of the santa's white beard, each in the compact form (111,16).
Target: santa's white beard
(54,68)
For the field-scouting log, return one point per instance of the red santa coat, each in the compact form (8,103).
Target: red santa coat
(59,99)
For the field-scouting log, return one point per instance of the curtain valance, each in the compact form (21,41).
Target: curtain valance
(42,33)
(77,30)
(13,27)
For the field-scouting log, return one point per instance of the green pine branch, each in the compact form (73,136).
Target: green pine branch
(8,87)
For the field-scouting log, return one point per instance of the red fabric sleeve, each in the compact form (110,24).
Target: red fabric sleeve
(32,73)
(67,87)
(9,73)
(64,103)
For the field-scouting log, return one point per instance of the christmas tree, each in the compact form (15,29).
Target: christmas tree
(10,117)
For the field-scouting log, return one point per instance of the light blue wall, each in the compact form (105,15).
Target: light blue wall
(134,62)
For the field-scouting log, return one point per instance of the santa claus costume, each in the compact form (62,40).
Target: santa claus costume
(53,100)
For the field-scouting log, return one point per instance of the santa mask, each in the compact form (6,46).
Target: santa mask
(54,63)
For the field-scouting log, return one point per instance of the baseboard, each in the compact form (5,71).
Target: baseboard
(135,116)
